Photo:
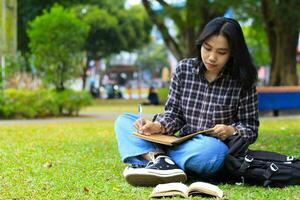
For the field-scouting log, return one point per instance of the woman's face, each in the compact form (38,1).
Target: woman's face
(215,53)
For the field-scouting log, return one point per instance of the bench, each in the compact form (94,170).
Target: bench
(278,98)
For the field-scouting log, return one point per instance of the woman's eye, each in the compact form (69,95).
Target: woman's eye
(207,49)
(222,53)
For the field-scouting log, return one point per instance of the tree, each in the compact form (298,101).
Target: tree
(257,43)
(112,28)
(282,23)
(189,21)
(112,32)
(153,57)
(29,9)
(56,40)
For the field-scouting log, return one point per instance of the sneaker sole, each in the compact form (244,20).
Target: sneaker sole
(147,177)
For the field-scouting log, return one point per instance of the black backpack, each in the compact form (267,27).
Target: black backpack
(260,167)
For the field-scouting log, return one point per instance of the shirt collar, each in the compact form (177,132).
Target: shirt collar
(200,69)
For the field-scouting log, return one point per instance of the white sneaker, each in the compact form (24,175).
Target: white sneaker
(161,170)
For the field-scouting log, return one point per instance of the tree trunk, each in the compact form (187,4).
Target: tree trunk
(197,14)
(84,73)
(84,76)
(100,70)
(283,70)
(283,40)
(168,40)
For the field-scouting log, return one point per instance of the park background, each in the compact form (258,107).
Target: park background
(70,67)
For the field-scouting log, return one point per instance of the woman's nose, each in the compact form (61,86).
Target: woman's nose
(212,58)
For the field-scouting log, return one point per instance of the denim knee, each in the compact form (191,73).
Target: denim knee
(207,163)
(130,147)
(201,154)
(124,120)
(203,167)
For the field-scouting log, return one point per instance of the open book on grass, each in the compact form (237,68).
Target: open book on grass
(180,189)
(170,140)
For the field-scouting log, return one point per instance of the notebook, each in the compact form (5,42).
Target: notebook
(169,140)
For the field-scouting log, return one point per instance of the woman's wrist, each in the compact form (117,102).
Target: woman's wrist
(161,127)
(234,130)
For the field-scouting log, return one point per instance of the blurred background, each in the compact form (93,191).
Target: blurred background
(121,48)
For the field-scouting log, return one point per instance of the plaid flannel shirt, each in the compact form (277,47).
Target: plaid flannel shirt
(195,104)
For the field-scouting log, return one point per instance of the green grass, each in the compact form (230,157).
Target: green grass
(117,105)
(81,161)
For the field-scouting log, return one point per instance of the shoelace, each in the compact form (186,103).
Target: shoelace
(153,160)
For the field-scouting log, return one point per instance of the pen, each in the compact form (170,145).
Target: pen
(140,110)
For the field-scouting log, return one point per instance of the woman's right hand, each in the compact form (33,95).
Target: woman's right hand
(147,127)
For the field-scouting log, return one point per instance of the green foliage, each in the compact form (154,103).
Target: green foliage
(29,9)
(56,40)
(188,19)
(70,102)
(1,102)
(113,30)
(11,65)
(103,30)
(162,94)
(135,27)
(283,12)
(275,18)
(258,45)
(43,103)
(249,12)
(153,57)
(14,64)
(15,104)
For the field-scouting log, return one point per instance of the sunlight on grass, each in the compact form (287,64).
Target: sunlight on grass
(80,161)
(123,105)
(61,161)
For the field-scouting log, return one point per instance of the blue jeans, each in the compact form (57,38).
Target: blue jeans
(202,155)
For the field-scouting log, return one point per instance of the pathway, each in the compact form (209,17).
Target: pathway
(83,117)
(97,116)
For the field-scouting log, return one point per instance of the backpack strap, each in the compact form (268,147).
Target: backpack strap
(269,172)
(246,163)
(289,159)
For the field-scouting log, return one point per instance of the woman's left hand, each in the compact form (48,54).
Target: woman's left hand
(222,131)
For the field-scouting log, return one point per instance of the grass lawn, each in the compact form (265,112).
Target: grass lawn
(81,161)
(117,105)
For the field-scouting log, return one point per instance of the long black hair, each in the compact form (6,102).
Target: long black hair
(240,64)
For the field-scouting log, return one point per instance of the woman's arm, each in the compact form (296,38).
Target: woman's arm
(172,118)
(247,122)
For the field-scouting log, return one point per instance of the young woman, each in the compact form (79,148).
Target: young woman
(216,90)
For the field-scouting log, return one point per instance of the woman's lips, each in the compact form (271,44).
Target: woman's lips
(210,65)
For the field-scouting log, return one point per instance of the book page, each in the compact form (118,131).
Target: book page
(167,139)
(157,138)
(170,189)
(184,138)
(205,188)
